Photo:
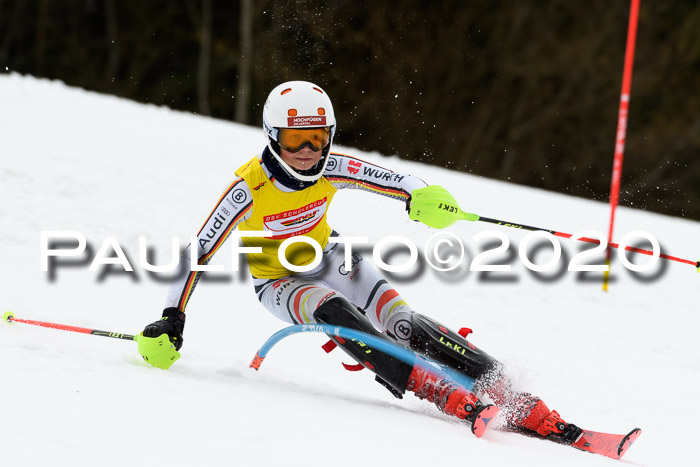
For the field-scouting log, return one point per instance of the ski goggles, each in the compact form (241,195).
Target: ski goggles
(294,139)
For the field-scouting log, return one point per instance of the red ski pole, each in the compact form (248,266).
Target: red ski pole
(10,318)
(158,351)
(435,207)
(695,264)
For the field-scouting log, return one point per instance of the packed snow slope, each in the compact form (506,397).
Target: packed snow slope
(107,167)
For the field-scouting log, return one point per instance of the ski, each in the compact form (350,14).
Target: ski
(604,444)
(482,418)
(613,446)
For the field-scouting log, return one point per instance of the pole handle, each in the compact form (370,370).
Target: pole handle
(468,216)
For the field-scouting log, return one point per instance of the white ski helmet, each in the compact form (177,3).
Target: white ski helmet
(302,105)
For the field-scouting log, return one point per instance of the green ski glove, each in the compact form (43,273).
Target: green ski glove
(160,341)
(158,351)
(436,207)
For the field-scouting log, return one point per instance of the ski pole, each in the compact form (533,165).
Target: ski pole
(435,207)
(10,318)
(158,351)
(515,225)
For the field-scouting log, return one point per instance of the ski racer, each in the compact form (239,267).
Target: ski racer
(287,191)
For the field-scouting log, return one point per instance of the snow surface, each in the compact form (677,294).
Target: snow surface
(76,160)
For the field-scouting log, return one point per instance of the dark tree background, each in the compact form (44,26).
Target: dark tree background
(523,91)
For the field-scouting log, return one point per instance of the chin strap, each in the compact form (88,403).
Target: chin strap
(281,174)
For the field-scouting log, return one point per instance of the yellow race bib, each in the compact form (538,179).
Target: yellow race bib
(285,215)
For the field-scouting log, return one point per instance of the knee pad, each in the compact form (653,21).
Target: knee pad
(339,311)
(445,346)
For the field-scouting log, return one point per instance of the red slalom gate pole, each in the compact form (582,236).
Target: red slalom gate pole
(622,125)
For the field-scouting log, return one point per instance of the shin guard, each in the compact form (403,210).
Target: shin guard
(445,346)
(391,372)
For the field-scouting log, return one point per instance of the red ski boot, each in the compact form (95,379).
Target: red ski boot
(538,418)
(525,411)
(451,398)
